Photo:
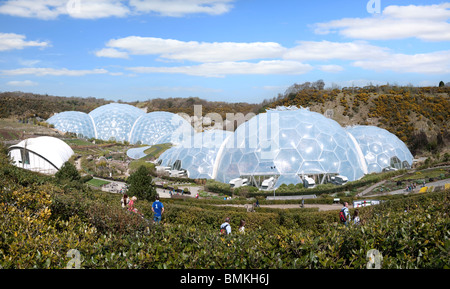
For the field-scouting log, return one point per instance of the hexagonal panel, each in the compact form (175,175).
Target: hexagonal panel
(288,161)
(309,149)
(247,164)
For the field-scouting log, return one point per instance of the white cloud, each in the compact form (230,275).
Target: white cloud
(426,63)
(93,9)
(22,83)
(325,50)
(52,9)
(111,53)
(11,41)
(190,50)
(232,68)
(51,72)
(429,22)
(332,68)
(177,8)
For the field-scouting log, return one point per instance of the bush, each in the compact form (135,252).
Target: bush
(141,184)
(40,222)
(67,173)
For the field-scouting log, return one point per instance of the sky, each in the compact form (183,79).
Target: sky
(218,50)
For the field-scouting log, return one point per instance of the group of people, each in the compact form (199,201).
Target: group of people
(345,217)
(225,228)
(157,207)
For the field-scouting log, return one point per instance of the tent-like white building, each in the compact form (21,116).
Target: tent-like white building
(42,154)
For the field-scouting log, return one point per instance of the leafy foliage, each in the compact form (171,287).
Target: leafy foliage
(141,184)
(41,221)
(68,173)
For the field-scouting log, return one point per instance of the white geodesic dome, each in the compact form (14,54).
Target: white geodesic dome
(160,127)
(197,155)
(74,121)
(381,149)
(42,154)
(123,122)
(115,120)
(290,144)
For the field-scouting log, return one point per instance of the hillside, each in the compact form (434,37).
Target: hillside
(417,115)
(23,105)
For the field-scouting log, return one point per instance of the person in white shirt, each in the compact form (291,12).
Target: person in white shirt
(226,226)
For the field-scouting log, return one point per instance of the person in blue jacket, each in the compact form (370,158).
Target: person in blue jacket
(158,209)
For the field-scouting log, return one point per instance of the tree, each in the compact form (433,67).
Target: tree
(140,184)
(68,172)
(441,84)
(319,84)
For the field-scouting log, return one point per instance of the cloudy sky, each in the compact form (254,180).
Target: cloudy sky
(222,50)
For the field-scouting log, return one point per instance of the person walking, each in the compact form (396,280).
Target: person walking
(225,228)
(158,209)
(344,214)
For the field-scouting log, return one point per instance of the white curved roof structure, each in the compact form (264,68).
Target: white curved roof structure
(42,154)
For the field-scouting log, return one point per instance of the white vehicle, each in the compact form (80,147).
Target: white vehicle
(308,182)
(339,180)
(177,174)
(238,182)
(389,169)
(162,169)
(268,184)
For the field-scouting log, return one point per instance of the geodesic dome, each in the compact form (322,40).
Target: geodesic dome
(74,121)
(197,155)
(42,154)
(160,127)
(381,149)
(290,144)
(115,120)
(123,122)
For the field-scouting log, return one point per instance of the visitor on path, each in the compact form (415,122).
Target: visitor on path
(344,214)
(225,228)
(124,201)
(242,226)
(158,209)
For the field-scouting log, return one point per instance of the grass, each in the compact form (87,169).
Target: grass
(426,174)
(156,150)
(78,142)
(97,182)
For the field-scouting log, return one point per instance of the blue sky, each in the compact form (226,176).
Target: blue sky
(219,50)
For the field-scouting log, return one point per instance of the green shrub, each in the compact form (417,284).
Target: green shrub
(41,221)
